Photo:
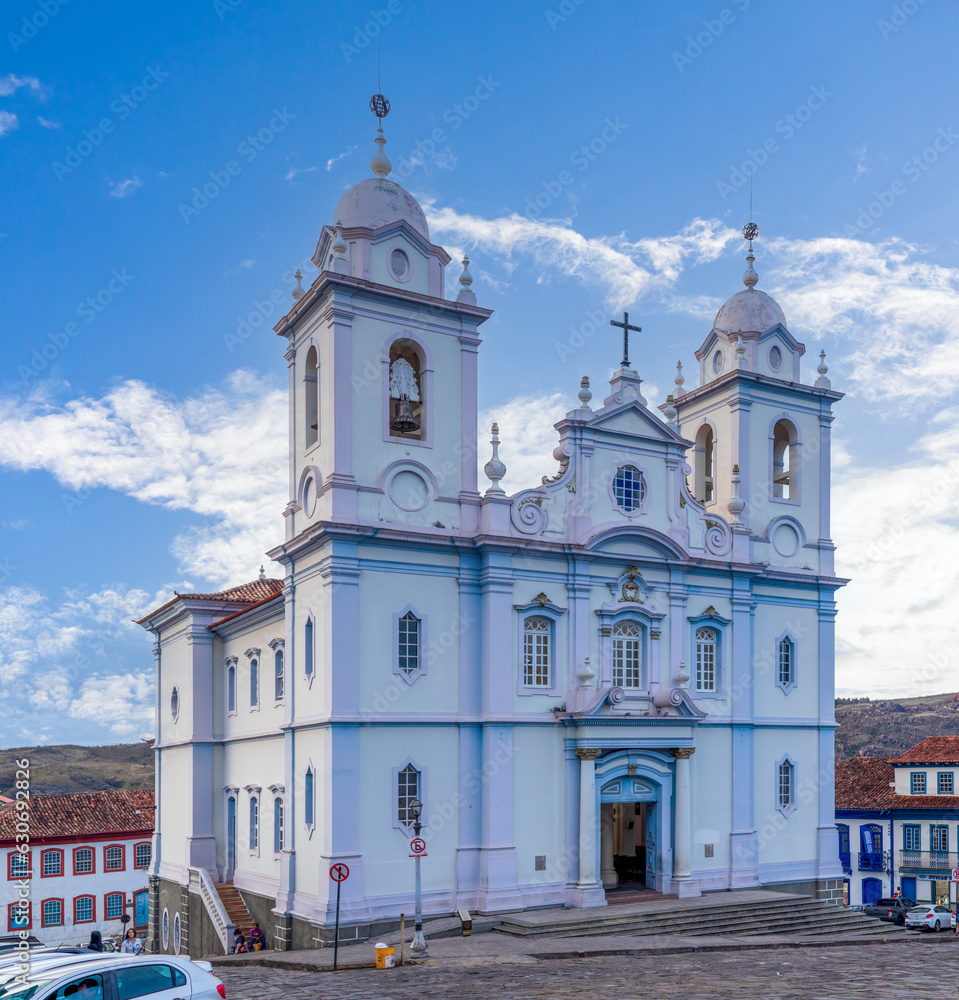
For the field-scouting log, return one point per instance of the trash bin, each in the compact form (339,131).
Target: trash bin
(385,956)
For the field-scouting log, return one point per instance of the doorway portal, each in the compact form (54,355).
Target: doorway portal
(626,833)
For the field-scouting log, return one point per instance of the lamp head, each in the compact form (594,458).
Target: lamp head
(416,808)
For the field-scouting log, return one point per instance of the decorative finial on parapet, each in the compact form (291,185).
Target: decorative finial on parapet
(587,675)
(740,351)
(584,393)
(298,291)
(822,382)
(466,293)
(669,411)
(262,572)
(338,246)
(679,381)
(682,674)
(494,468)
(736,504)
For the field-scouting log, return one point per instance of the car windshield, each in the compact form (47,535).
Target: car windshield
(887,902)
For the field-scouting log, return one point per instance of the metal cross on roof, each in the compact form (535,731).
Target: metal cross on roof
(625,326)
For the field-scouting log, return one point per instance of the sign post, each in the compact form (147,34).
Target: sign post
(339,873)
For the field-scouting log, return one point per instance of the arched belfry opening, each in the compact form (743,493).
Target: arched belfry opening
(785,460)
(407,398)
(311,398)
(705,479)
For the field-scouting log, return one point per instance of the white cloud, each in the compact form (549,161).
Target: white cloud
(349,151)
(10,84)
(290,175)
(8,122)
(124,188)
(46,123)
(124,703)
(221,454)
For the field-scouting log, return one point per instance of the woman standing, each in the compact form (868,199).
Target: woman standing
(96,942)
(132,945)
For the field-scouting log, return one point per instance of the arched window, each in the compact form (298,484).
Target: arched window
(231,688)
(785,461)
(627,654)
(705,659)
(311,398)
(254,683)
(277,825)
(407,403)
(536,653)
(278,675)
(705,483)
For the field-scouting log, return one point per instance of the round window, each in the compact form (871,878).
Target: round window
(718,362)
(309,496)
(629,488)
(175,704)
(166,929)
(399,265)
(775,358)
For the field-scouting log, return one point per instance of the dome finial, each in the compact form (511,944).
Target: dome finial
(380,164)
(750,232)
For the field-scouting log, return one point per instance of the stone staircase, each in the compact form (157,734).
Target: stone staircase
(718,915)
(235,908)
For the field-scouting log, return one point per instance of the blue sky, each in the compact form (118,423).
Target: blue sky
(138,433)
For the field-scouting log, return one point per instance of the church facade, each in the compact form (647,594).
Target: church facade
(620,677)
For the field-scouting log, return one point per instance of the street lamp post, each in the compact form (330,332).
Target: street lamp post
(418,948)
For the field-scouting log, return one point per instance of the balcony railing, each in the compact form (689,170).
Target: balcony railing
(845,861)
(870,862)
(929,860)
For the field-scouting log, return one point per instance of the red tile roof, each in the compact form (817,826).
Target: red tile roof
(934,750)
(246,593)
(863,783)
(80,814)
(243,611)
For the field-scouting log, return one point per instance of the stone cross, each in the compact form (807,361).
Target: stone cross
(625,327)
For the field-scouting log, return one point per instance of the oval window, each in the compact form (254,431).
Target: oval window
(775,359)
(175,704)
(399,264)
(718,362)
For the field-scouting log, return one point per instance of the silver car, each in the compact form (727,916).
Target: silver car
(122,977)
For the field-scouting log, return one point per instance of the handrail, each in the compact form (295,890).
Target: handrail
(202,886)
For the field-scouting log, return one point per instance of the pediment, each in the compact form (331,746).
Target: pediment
(635,420)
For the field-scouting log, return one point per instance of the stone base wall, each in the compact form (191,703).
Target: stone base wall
(827,889)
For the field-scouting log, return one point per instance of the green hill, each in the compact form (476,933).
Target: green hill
(59,769)
(886,728)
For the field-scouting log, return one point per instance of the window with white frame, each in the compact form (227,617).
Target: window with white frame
(786,663)
(115,906)
(537,633)
(627,654)
(309,797)
(786,792)
(407,789)
(277,825)
(408,644)
(918,783)
(52,912)
(946,783)
(113,859)
(939,838)
(19,865)
(83,909)
(254,822)
(629,488)
(231,687)
(254,682)
(278,675)
(143,855)
(706,645)
(83,861)
(51,863)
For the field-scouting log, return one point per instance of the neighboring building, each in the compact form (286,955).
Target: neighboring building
(89,863)
(898,822)
(623,673)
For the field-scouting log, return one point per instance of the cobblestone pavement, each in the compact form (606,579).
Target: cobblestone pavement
(921,968)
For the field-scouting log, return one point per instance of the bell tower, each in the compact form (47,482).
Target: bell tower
(383,368)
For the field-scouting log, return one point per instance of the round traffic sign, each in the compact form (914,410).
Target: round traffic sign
(340,872)
(955,874)
(417,845)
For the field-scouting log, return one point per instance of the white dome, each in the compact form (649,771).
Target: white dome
(749,311)
(377,202)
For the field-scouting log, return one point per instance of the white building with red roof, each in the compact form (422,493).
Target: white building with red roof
(86,863)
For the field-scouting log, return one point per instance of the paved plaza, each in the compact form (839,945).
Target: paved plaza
(922,967)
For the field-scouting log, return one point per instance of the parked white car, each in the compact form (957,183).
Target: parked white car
(930,917)
(123,977)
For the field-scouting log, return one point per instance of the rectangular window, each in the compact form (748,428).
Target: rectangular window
(308,651)
(310,803)
(83,909)
(142,855)
(278,675)
(536,636)
(231,688)
(919,783)
(277,826)
(83,861)
(911,834)
(785,662)
(946,784)
(627,654)
(115,906)
(113,859)
(705,659)
(52,912)
(407,789)
(19,865)
(940,838)
(408,644)
(254,823)
(52,863)
(254,683)
(19,916)
(785,785)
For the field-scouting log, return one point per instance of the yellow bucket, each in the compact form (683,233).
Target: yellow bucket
(385,956)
